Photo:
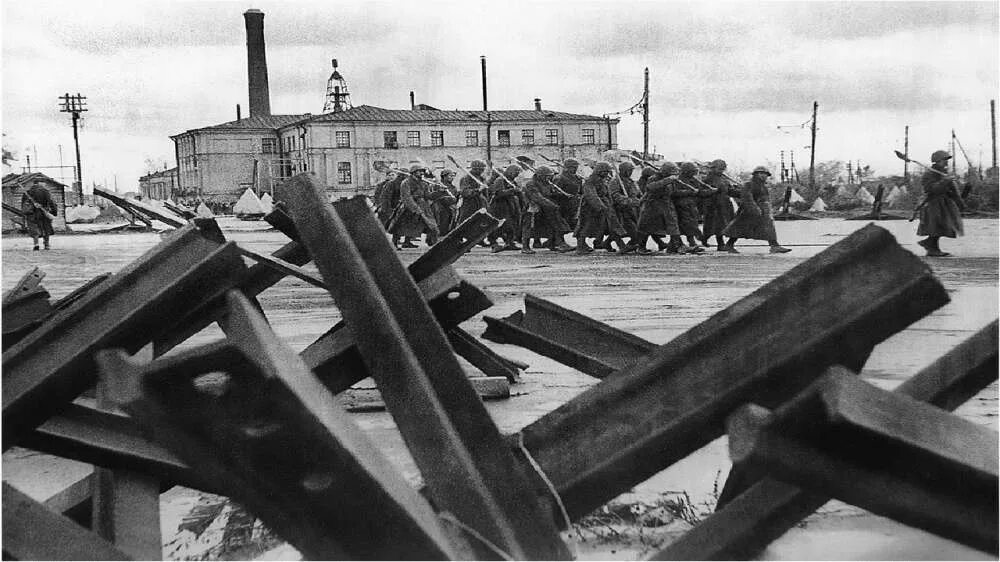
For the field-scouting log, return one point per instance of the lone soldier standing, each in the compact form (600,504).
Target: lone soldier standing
(940,211)
(572,185)
(718,207)
(753,219)
(39,209)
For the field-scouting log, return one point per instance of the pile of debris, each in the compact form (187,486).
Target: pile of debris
(250,419)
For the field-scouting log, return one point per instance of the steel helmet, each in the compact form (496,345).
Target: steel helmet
(512,171)
(625,169)
(940,155)
(603,167)
(761,170)
(544,171)
(478,165)
(414,168)
(688,168)
(447,173)
(669,169)
(569,162)
(718,164)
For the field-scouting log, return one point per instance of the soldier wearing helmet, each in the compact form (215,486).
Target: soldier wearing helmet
(626,196)
(657,216)
(505,204)
(685,198)
(940,211)
(753,219)
(443,200)
(597,215)
(719,206)
(572,185)
(415,216)
(472,192)
(544,219)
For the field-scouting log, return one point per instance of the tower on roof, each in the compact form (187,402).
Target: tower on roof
(337,97)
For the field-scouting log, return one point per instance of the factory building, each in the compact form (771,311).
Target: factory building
(219,162)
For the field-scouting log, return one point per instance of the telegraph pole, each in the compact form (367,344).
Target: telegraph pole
(954,156)
(782,173)
(993,129)
(74,105)
(645,120)
(812,149)
(906,152)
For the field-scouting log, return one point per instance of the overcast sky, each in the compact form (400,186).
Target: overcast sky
(723,76)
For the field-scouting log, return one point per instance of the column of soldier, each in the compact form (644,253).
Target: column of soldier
(540,208)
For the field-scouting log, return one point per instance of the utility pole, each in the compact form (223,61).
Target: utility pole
(645,121)
(812,149)
(954,156)
(782,174)
(906,152)
(850,174)
(792,172)
(993,129)
(74,105)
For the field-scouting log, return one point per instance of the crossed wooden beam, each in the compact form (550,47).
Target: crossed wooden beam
(251,419)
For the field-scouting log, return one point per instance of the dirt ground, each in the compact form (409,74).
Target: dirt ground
(655,297)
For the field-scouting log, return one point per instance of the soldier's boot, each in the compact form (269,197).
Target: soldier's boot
(637,243)
(660,243)
(408,243)
(526,245)
(560,243)
(582,247)
(618,242)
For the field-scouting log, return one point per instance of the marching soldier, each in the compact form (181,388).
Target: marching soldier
(547,221)
(505,204)
(627,200)
(657,216)
(471,193)
(572,185)
(597,211)
(941,208)
(414,217)
(753,219)
(388,206)
(685,197)
(443,200)
(718,206)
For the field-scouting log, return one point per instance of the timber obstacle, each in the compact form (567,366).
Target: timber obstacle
(223,416)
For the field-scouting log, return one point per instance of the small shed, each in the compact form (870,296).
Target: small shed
(14,186)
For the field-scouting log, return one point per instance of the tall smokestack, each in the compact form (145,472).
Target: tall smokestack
(413,104)
(538,104)
(260,97)
(482,59)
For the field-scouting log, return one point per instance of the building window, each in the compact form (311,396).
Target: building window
(527,137)
(343,139)
(437,138)
(471,138)
(268,146)
(551,136)
(412,138)
(343,172)
(588,136)
(503,138)
(390,139)
(438,164)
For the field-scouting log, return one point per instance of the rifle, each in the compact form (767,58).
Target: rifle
(521,159)
(382,167)
(44,211)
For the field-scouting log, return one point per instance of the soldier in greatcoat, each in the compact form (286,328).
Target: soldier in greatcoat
(415,216)
(547,221)
(572,185)
(657,216)
(626,196)
(941,209)
(754,219)
(505,204)
(38,206)
(597,211)
(471,191)
(685,197)
(718,202)
(443,199)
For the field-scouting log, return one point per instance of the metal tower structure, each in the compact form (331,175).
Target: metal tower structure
(337,97)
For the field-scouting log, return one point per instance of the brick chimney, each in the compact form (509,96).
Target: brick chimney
(260,97)
(538,104)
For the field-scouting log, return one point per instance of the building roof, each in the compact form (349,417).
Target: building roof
(255,122)
(380,115)
(24,180)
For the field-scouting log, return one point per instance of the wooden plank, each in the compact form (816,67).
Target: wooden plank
(831,309)
(270,432)
(459,450)
(882,451)
(33,532)
(589,346)
(54,363)
(768,508)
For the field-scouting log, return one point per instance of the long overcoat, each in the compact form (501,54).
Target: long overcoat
(657,215)
(471,197)
(627,197)
(35,220)
(415,216)
(387,199)
(548,220)
(718,204)
(443,200)
(685,197)
(597,210)
(753,219)
(940,215)
(505,203)
(572,184)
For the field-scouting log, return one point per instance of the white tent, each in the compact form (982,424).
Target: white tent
(896,193)
(267,203)
(203,211)
(818,205)
(795,198)
(864,195)
(248,204)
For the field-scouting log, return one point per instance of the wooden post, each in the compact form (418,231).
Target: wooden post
(906,152)
(812,148)
(645,120)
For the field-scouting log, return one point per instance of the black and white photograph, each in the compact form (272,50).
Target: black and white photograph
(500,280)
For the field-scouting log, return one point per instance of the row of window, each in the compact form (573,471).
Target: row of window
(390,139)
